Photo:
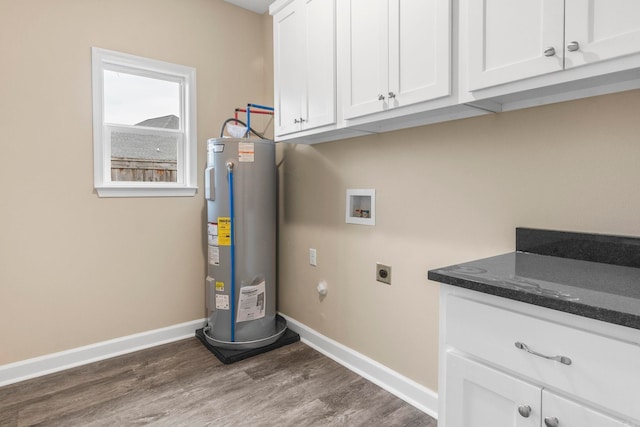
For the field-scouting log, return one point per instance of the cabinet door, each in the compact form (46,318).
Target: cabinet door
(603,29)
(572,414)
(367,56)
(419,50)
(288,69)
(506,40)
(479,396)
(319,104)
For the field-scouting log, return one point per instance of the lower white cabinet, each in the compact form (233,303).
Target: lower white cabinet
(562,412)
(506,363)
(480,396)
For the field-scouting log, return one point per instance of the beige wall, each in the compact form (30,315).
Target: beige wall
(446,193)
(76,269)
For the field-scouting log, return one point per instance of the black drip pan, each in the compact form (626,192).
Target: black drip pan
(228,356)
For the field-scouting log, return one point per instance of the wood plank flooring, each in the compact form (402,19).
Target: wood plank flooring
(183,384)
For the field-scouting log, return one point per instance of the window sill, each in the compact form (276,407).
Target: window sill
(155,191)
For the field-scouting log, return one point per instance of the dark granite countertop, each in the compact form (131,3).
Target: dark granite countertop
(602,291)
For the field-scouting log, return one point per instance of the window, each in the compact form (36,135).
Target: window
(144,127)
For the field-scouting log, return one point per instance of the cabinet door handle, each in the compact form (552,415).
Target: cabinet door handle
(573,46)
(562,359)
(524,410)
(392,95)
(550,51)
(296,121)
(381,97)
(551,422)
(302,120)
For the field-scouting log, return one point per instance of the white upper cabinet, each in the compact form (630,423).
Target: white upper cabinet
(419,50)
(345,68)
(510,40)
(289,80)
(506,41)
(319,107)
(367,41)
(396,53)
(600,29)
(304,66)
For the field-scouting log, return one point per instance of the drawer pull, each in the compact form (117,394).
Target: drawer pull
(551,422)
(562,359)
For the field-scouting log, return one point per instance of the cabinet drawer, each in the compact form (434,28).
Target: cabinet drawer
(602,370)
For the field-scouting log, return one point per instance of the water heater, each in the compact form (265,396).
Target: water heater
(240,191)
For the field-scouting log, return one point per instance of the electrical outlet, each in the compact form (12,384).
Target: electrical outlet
(313,260)
(383,273)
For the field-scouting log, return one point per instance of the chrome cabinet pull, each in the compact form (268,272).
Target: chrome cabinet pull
(392,95)
(551,422)
(302,120)
(381,97)
(573,46)
(524,410)
(296,121)
(562,359)
(550,51)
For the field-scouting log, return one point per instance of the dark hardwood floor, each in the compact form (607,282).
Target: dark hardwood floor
(183,384)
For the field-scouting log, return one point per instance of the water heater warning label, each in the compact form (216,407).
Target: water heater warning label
(212,229)
(252,302)
(214,255)
(224,231)
(246,151)
(212,233)
(222,302)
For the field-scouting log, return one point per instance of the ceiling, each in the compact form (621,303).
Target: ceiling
(257,6)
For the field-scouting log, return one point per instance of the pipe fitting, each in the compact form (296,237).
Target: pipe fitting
(322,288)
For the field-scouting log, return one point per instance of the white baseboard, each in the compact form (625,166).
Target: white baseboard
(50,363)
(406,389)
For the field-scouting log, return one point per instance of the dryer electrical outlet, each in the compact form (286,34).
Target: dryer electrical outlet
(383,273)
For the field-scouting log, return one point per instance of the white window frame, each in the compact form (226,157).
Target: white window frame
(186,185)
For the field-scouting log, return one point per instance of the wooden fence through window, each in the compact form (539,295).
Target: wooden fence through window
(123,169)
